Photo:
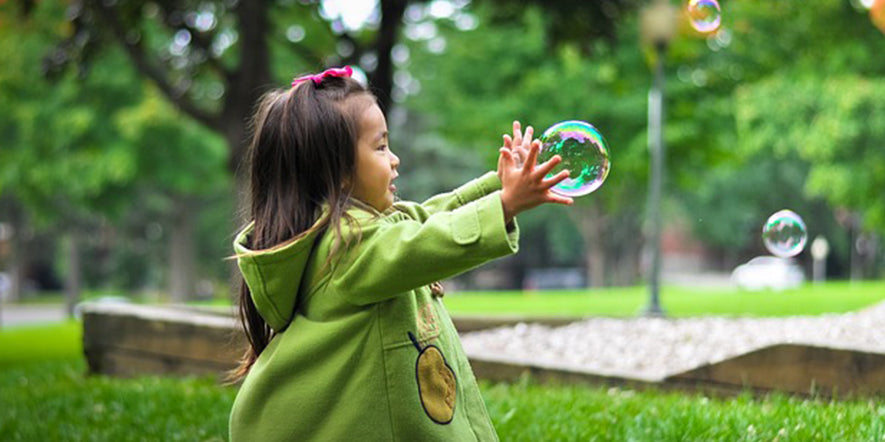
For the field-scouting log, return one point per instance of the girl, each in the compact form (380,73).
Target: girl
(347,339)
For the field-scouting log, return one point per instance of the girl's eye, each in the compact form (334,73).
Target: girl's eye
(382,147)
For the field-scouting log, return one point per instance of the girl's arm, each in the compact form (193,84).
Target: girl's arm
(444,202)
(519,144)
(397,254)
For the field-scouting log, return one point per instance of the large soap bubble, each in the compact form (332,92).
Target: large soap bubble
(584,153)
(784,234)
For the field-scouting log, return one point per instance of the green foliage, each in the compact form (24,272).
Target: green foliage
(175,156)
(754,93)
(834,124)
(480,85)
(833,297)
(509,69)
(61,155)
(83,150)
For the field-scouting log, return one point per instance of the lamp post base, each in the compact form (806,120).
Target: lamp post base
(653,311)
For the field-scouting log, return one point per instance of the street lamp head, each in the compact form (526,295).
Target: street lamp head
(658,23)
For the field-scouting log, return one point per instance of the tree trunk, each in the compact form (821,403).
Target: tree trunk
(74,277)
(181,253)
(382,79)
(592,226)
(16,263)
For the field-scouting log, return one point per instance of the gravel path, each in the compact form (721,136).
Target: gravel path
(654,348)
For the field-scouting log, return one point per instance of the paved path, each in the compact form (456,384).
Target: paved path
(16,315)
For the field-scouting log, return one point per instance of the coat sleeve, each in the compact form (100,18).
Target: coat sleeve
(443,202)
(395,257)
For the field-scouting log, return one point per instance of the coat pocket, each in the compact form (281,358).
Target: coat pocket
(465,225)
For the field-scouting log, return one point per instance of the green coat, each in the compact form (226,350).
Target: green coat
(363,350)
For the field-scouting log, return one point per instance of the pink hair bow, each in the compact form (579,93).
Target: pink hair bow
(346,71)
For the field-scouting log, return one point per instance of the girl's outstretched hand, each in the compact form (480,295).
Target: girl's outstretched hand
(525,187)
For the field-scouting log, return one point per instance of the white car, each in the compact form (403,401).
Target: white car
(771,272)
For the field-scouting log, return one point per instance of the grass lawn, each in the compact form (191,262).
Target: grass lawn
(832,297)
(22,345)
(47,396)
(810,299)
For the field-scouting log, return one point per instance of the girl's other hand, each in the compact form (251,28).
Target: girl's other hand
(519,144)
(525,187)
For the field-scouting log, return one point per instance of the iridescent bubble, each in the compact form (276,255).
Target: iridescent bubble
(877,14)
(784,234)
(584,153)
(704,15)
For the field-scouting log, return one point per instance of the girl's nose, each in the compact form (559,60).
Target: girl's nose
(394,160)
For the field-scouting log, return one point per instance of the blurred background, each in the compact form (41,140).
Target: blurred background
(123,126)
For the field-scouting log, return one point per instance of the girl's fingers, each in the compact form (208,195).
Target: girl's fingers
(527,148)
(556,179)
(559,199)
(517,134)
(545,168)
(532,157)
(506,158)
(529,131)
(508,142)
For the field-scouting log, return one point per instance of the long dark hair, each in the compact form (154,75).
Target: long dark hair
(302,155)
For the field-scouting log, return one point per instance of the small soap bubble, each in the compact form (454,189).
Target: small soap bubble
(704,15)
(877,14)
(784,234)
(584,154)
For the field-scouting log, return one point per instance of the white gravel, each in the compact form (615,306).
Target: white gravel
(654,348)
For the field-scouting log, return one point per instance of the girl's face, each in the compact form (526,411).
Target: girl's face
(375,162)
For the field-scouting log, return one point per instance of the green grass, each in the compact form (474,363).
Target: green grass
(810,299)
(56,401)
(526,411)
(22,345)
(56,297)
(48,396)
(833,297)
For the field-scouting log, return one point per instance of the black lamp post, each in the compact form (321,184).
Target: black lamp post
(658,23)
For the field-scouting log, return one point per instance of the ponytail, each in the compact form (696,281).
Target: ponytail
(301,156)
(258,334)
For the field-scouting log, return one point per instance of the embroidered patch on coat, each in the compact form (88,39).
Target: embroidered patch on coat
(428,324)
(436,383)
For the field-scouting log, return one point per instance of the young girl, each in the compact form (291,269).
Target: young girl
(348,340)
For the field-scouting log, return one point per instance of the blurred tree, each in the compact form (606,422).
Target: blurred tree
(834,124)
(576,22)
(181,164)
(79,151)
(731,82)
(60,158)
(516,65)
(213,59)
(502,71)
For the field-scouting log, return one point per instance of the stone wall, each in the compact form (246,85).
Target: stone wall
(128,340)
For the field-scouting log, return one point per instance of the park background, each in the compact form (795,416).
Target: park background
(123,123)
